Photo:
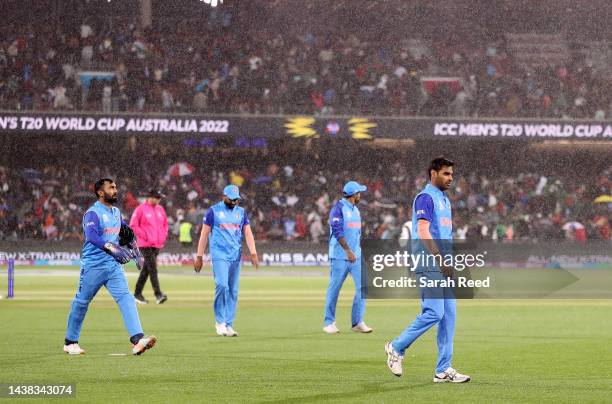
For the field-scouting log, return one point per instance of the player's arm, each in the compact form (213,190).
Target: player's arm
(424,210)
(425,237)
(336,220)
(209,221)
(430,244)
(250,241)
(91,226)
(197,265)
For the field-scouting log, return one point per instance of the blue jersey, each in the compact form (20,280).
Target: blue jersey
(101,224)
(227,230)
(344,221)
(433,205)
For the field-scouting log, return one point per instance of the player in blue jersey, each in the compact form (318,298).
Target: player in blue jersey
(345,257)
(226,223)
(101,265)
(432,235)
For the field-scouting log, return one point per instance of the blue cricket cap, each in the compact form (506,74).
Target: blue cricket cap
(232,192)
(352,187)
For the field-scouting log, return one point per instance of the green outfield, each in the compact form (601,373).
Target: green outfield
(515,350)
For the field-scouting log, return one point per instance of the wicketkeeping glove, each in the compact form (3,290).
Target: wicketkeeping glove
(138,258)
(126,235)
(120,254)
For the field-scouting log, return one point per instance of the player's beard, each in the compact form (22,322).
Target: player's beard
(230,205)
(442,185)
(111,199)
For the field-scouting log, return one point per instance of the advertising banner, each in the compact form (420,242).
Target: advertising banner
(517,255)
(277,126)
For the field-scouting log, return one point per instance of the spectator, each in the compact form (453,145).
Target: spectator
(501,206)
(342,73)
(185,234)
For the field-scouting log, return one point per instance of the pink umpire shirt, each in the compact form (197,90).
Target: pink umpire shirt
(150,225)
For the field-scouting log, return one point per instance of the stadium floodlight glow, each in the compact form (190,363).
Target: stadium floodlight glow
(213,3)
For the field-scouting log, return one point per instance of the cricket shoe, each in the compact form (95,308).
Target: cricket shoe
(331,329)
(394,360)
(230,332)
(221,329)
(161,299)
(140,299)
(362,328)
(143,344)
(73,349)
(450,375)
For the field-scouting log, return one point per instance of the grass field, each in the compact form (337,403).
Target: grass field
(515,350)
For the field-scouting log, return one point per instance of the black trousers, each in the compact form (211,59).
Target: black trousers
(149,269)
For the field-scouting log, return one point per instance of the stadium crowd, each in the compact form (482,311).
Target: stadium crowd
(99,66)
(227,64)
(291,201)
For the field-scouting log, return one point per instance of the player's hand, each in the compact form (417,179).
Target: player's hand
(350,255)
(120,254)
(138,258)
(255,260)
(447,271)
(197,264)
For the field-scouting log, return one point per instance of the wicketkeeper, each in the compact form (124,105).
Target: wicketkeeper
(109,243)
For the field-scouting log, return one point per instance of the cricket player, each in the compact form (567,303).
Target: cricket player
(101,265)
(345,257)
(226,223)
(432,221)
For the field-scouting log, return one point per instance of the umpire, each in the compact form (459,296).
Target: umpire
(150,223)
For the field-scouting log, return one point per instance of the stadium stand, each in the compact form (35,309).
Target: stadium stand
(290,198)
(99,65)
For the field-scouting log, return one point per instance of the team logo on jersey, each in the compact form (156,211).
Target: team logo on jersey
(349,214)
(237,216)
(221,215)
(105,217)
(441,205)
